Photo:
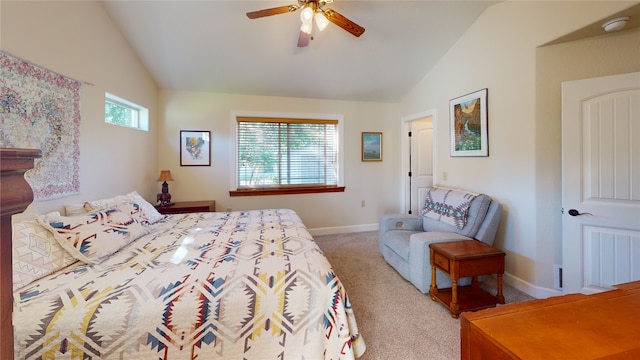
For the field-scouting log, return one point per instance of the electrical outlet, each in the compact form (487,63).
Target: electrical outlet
(362,203)
(445,176)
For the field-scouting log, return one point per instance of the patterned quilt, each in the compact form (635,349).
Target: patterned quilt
(449,206)
(239,285)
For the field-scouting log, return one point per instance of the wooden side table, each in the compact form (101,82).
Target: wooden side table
(460,259)
(185,207)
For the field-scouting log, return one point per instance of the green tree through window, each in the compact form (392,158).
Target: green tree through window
(286,152)
(117,114)
(125,113)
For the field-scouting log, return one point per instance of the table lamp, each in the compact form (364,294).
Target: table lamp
(164,198)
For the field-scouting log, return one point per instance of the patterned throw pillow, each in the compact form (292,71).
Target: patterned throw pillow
(36,253)
(150,212)
(93,237)
(131,203)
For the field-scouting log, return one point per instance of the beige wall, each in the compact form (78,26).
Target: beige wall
(499,52)
(79,40)
(375,183)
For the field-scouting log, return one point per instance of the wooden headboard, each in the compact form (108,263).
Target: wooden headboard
(15,196)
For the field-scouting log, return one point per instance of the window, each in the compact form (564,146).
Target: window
(284,155)
(119,111)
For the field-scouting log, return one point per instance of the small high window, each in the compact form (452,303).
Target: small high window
(122,112)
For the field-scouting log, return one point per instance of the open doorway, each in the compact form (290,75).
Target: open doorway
(418,145)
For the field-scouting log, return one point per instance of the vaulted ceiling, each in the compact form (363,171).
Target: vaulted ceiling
(212,46)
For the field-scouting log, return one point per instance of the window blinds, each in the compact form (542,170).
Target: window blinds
(274,152)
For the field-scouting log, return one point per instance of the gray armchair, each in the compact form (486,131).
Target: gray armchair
(404,239)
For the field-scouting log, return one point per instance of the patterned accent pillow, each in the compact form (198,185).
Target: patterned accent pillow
(36,253)
(93,237)
(149,210)
(132,203)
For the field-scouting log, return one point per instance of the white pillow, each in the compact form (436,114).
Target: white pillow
(100,204)
(29,214)
(75,209)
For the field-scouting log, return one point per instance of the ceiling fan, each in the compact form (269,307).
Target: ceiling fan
(311,10)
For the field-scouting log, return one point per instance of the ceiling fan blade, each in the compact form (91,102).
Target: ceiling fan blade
(343,22)
(303,39)
(272,11)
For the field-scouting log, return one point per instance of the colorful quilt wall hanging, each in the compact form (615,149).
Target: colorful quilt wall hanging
(40,109)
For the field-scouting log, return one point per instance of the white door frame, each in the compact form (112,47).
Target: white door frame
(404,153)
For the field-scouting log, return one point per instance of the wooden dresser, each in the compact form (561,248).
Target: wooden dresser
(576,326)
(15,196)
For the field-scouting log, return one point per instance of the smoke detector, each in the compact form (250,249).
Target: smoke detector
(615,24)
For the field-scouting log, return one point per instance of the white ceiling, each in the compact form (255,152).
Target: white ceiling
(211,46)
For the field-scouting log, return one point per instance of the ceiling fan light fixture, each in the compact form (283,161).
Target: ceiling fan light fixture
(321,20)
(306,27)
(310,10)
(307,14)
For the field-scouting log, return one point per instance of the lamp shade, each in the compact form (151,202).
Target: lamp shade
(321,20)
(306,14)
(165,175)
(306,27)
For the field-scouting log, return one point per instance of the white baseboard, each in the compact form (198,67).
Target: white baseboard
(343,229)
(530,289)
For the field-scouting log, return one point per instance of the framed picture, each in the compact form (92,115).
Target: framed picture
(371,146)
(195,148)
(468,118)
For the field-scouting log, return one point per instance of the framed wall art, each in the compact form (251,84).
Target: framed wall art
(468,119)
(195,148)
(371,146)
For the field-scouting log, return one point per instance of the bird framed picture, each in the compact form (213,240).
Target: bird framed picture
(195,148)
(468,118)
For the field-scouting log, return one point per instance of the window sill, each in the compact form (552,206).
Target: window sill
(286,191)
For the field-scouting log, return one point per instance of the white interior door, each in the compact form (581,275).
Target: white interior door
(600,182)
(421,162)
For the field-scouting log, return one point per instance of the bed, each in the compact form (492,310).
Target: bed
(122,281)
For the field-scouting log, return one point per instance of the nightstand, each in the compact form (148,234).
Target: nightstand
(466,258)
(184,207)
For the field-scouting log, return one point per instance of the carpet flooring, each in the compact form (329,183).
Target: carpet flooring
(396,320)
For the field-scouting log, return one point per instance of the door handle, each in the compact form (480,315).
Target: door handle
(574,212)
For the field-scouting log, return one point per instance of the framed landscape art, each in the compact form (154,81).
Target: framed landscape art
(371,146)
(468,119)
(195,148)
